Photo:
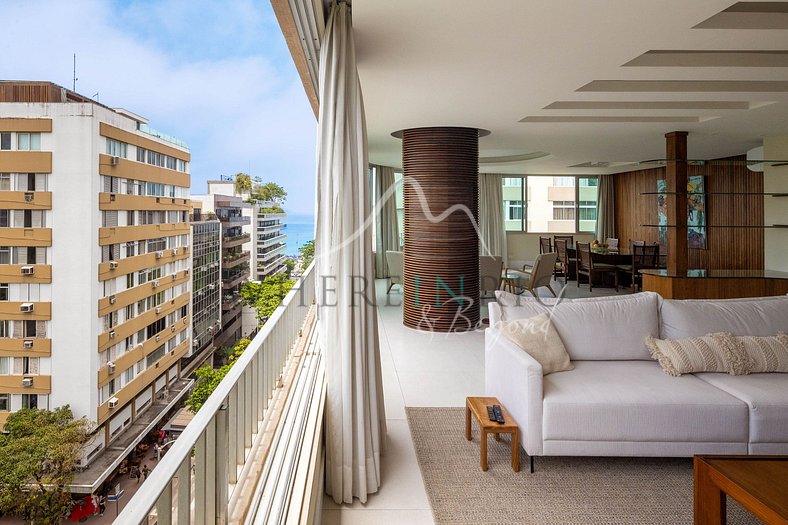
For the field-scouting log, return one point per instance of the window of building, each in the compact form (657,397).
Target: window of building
(154,356)
(155,189)
(28,141)
(5,218)
(5,402)
(5,181)
(116,148)
(140,154)
(130,280)
(5,365)
(563,210)
(29,400)
(129,374)
(29,328)
(550,204)
(5,141)
(3,291)
(5,328)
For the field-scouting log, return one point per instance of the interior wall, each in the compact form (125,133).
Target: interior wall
(524,247)
(776,208)
(726,248)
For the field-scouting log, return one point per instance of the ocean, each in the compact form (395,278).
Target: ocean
(300,229)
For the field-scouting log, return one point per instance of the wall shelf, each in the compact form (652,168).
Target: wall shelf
(716,226)
(767,193)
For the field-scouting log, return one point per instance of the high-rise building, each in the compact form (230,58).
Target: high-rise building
(94,261)
(206,243)
(229,209)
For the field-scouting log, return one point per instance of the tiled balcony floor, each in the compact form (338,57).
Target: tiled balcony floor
(419,369)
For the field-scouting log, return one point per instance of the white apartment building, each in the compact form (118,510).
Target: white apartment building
(94,259)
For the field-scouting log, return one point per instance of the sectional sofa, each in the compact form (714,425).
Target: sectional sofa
(618,401)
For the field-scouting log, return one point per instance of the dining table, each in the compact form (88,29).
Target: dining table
(598,256)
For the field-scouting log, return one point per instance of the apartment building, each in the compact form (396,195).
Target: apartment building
(94,259)
(206,243)
(229,210)
(266,244)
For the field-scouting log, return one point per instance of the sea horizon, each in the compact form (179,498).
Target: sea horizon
(300,229)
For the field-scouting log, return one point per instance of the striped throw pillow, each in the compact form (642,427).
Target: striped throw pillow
(719,352)
(766,354)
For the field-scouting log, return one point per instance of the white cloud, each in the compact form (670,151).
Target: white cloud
(237,107)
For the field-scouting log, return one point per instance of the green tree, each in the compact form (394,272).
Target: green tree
(243,183)
(290,265)
(269,192)
(267,295)
(208,378)
(307,252)
(38,454)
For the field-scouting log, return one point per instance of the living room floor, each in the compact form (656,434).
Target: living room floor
(419,370)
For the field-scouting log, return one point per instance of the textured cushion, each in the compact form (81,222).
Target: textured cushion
(538,338)
(694,318)
(604,328)
(766,354)
(720,352)
(636,401)
(766,396)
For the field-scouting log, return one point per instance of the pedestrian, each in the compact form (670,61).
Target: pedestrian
(102,504)
(156,450)
(145,471)
(135,473)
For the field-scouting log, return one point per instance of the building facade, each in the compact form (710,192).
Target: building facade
(229,210)
(206,245)
(94,258)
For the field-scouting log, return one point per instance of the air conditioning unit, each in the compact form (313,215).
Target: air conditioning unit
(172,328)
(174,277)
(155,283)
(113,265)
(28,344)
(112,299)
(112,334)
(159,255)
(185,320)
(111,367)
(157,338)
(196,343)
(26,307)
(175,251)
(158,309)
(27,382)
(29,196)
(113,402)
(115,161)
(28,270)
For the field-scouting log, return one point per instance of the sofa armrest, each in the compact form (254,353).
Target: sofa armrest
(515,378)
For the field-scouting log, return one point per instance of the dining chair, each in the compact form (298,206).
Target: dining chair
(395,261)
(643,257)
(612,244)
(635,243)
(564,265)
(539,276)
(570,239)
(586,266)
(490,270)
(545,245)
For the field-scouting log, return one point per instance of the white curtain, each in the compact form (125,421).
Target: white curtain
(606,210)
(347,321)
(387,233)
(492,234)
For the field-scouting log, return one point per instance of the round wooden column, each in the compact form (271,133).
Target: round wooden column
(441,270)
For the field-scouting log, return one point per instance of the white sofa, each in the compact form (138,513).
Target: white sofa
(617,401)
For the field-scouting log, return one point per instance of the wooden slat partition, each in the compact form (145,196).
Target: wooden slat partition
(441,167)
(727,248)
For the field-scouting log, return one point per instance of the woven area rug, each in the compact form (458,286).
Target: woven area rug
(563,490)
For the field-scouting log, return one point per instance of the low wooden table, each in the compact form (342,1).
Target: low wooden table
(478,407)
(758,483)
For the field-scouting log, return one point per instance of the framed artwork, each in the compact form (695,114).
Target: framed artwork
(696,212)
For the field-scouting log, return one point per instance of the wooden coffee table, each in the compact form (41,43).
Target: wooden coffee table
(758,483)
(478,407)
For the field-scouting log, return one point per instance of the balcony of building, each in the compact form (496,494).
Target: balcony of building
(272,264)
(233,240)
(233,259)
(264,241)
(232,217)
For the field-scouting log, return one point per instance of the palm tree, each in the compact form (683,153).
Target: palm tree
(243,183)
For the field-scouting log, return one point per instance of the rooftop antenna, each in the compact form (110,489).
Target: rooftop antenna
(74,83)
(96,96)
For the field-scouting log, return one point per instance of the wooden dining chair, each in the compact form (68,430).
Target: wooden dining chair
(643,257)
(564,266)
(545,245)
(586,266)
(635,243)
(570,239)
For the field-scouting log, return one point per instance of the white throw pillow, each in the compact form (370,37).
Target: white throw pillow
(539,339)
(761,316)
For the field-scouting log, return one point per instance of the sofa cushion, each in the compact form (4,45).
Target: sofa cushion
(766,396)
(605,328)
(720,352)
(537,337)
(694,318)
(636,401)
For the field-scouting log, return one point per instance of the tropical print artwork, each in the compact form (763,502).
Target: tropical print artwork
(696,212)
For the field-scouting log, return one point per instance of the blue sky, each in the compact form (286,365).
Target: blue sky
(216,74)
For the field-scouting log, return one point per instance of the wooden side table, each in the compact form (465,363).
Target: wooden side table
(478,407)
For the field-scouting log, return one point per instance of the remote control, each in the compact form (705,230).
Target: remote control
(491,413)
(498,414)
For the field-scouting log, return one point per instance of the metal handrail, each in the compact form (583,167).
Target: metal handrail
(223,430)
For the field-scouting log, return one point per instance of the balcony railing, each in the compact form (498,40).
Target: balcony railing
(206,473)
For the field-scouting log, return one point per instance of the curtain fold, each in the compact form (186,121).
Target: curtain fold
(387,226)
(347,319)
(606,209)
(492,233)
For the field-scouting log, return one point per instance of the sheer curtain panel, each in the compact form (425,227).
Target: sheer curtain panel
(492,235)
(347,321)
(385,219)
(606,209)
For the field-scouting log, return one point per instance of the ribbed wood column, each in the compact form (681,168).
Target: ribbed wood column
(441,271)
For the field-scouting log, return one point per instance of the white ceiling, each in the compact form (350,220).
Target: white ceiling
(491,63)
